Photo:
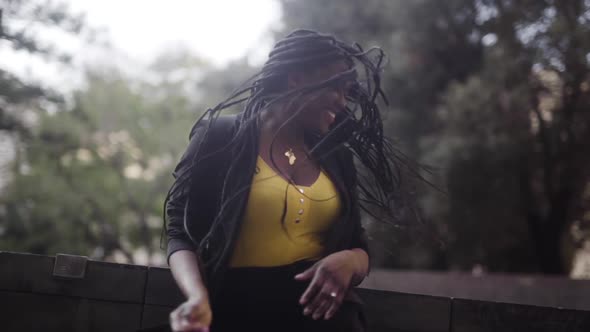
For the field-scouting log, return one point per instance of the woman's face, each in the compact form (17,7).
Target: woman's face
(319,113)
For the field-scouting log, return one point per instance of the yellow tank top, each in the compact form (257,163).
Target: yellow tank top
(264,240)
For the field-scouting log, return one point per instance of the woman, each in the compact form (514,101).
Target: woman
(264,227)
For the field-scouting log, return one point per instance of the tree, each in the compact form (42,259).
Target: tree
(494,94)
(428,49)
(90,176)
(528,106)
(92,179)
(20,21)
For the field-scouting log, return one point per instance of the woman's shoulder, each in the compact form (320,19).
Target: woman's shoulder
(222,126)
(209,135)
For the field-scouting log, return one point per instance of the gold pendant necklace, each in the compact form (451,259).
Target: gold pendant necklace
(291,155)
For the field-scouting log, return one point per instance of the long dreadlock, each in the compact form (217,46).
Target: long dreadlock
(359,128)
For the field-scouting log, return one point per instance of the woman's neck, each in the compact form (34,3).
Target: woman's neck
(275,127)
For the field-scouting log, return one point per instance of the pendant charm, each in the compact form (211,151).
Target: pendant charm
(289,154)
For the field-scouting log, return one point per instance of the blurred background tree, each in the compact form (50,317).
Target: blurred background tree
(90,179)
(28,18)
(92,167)
(494,94)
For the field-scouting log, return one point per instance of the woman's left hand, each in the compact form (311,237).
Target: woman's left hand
(330,280)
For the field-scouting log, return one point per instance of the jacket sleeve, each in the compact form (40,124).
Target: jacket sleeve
(176,204)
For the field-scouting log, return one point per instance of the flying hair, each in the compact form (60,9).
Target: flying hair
(359,128)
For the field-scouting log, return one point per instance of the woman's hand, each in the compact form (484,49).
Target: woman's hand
(331,278)
(193,315)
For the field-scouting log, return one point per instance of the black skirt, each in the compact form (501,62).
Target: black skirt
(267,299)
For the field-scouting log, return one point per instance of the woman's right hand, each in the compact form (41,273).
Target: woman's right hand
(194,315)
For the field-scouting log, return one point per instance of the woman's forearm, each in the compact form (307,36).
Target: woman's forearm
(360,259)
(185,269)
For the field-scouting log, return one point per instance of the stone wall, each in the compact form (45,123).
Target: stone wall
(43,293)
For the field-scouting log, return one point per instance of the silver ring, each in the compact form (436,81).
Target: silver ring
(333,294)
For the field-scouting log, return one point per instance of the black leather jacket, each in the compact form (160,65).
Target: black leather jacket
(199,206)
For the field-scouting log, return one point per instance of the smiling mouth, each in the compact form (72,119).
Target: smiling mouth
(332,115)
(329,117)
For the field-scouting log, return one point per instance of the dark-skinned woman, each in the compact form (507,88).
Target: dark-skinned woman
(263,219)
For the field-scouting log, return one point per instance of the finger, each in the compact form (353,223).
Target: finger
(180,321)
(191,326)
(182,326)
(307,274)
(333,307)
(321,309)
(192,312)
(311,308)
(319,298)
(175,320)
(199,315)
(313,288)
(327,299)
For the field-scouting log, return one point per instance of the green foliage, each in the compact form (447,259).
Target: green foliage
(20,22)
(493,94)
(91,179)
(90,176)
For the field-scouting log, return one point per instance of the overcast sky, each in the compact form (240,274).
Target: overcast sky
(139,30)
(218,30)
